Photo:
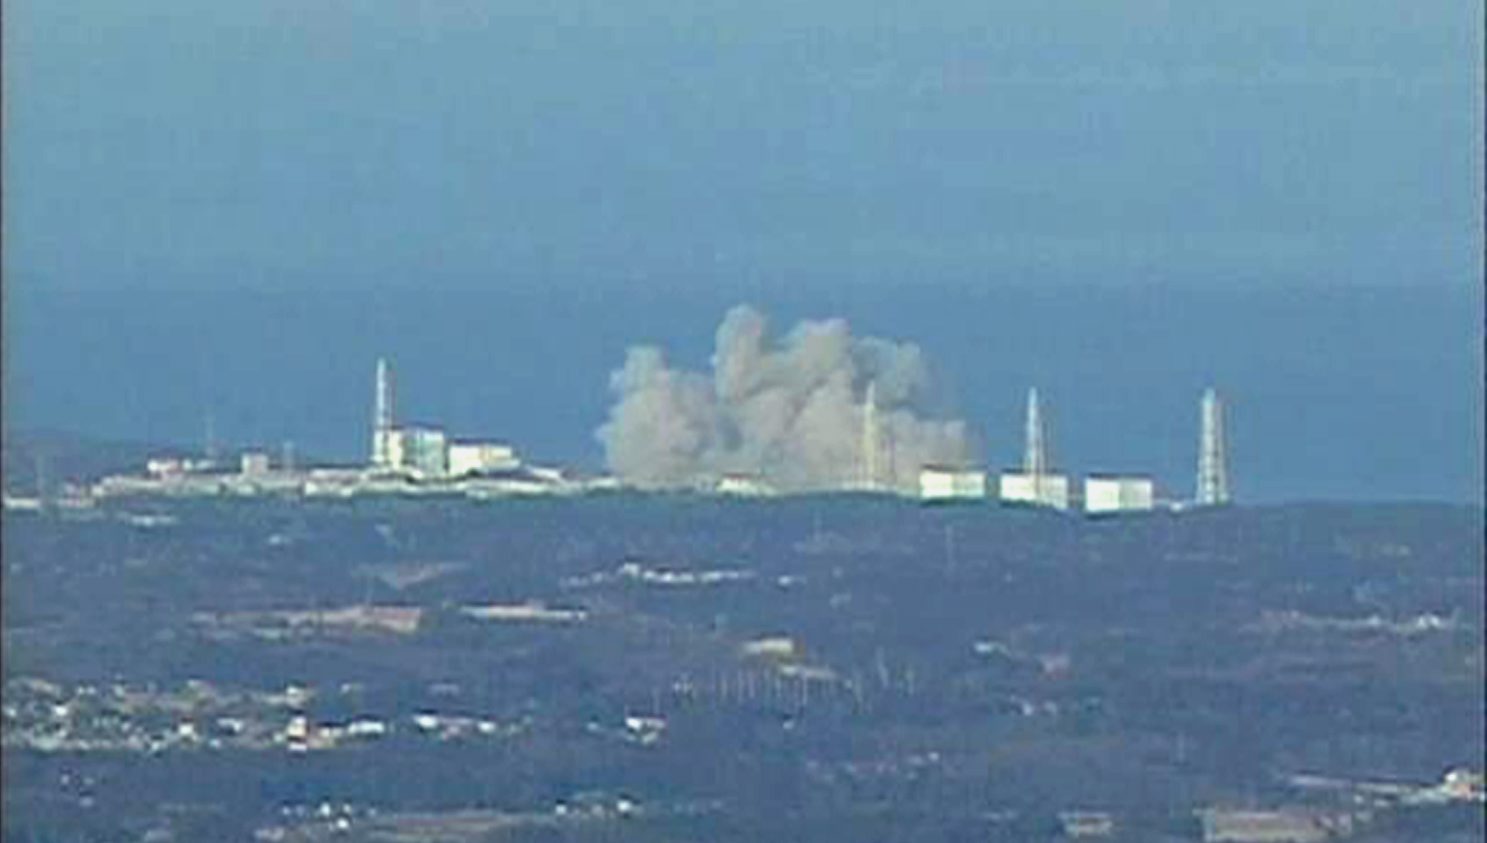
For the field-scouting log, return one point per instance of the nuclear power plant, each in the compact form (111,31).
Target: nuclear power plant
(416,459)
(425,452)
(1038,485)
(402,460)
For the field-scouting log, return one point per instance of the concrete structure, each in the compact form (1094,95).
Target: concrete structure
(1213,468)
(175,466)
(772,647)
(24,504)
(264,483)
(745,486)
(523,482)
(331,482)
(422,451)
(1465,785)
(1035,485)
(481,457)
(1050,490)
(938,483)
(1103,495)
(253,464)
(382,417)
(1035,444)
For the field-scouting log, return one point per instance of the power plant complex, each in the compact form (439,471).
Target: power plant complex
(425,452)
(1037,484)
(421,460)
(403,460)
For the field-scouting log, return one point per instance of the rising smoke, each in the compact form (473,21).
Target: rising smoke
(791,412)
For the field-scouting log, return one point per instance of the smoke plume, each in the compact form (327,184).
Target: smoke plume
(790,412)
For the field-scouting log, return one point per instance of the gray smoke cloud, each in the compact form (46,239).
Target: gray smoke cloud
(791,412)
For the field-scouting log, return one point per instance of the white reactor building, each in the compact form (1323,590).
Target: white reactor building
(1035,485)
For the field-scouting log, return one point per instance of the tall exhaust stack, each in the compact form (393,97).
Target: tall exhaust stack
(1213,469)
(1035,452)
(382,422)
(209,438)
(868,460)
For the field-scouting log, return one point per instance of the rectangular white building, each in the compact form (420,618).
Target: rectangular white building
(477,457)
(253,464)
(1118,494)
(1050,490)
(948,484)
(422,450)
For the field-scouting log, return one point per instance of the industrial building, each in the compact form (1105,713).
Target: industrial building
(426,452)
(1023,489)
(419,451)
(939,483)
(1035,485)
(467,458)
(253,464)
(1109,495)
(404,460)
(422,460)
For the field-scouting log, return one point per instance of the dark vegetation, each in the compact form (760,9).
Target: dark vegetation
(1125,665)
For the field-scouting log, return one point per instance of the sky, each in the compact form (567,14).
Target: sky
(238,206)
